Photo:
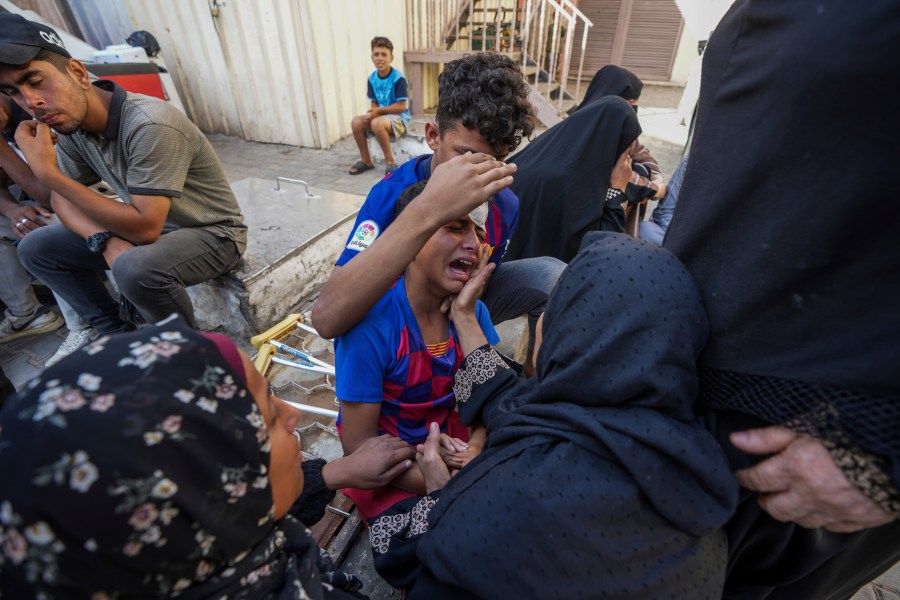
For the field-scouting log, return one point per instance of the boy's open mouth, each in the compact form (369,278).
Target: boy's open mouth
(462,267)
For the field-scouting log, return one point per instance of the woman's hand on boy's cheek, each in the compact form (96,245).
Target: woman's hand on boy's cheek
(464,302)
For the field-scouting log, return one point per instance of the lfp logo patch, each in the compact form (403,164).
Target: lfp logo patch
(364,235)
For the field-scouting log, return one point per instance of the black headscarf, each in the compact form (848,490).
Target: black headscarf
(597,480)
(612,80)
(563,177)
(138,466)
(802,296)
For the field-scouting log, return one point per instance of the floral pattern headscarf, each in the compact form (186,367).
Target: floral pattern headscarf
(137,467)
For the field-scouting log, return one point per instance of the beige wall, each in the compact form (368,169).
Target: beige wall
(700,18)
(685,55)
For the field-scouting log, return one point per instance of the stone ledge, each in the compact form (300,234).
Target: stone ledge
(292,244)
(404,148)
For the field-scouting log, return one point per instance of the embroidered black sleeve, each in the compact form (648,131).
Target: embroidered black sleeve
(613,194)
(405,525)
(479,366)
(866,472)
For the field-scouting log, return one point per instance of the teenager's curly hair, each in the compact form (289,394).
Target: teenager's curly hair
(486,92)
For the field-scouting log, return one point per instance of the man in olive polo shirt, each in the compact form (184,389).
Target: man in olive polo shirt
(178,223)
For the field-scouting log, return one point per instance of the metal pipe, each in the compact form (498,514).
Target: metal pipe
(279,179)
(309,329)
(338,511)
(314,368)
(311,359)
(581,61)
(313,409)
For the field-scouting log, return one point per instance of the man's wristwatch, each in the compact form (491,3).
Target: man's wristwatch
(97,242)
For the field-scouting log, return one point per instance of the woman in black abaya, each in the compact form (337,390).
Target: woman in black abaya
(597,480)
(802,300)
(565,180)
(613,80)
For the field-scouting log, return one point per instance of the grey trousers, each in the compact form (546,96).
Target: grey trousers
(15,281)
(521,287)
(152,277)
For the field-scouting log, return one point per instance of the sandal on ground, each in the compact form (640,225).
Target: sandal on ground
(390,168)
(360,167)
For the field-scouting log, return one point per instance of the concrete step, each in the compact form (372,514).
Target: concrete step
(293,241)
(407,146)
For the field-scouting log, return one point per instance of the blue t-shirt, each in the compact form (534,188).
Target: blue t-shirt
(384,359)
(388,90)
(379,211)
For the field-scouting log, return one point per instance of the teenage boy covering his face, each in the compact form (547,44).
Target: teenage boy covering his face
(388,116)
(178,223)
(395,368)
(482,115)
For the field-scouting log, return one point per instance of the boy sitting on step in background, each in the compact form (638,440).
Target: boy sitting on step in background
(388,117)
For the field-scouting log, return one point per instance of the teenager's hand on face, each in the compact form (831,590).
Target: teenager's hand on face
(460,184)
(621,173)
(375,463)
(36,141)
(462,305)
(800,482)
(25,219)
(428,456)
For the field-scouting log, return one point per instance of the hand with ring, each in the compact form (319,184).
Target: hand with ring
(27,219)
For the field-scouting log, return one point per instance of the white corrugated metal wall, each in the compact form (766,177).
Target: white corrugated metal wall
(102,22)
(186,32)
(272,75)
(280,71)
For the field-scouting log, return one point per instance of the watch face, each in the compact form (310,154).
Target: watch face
(97,241)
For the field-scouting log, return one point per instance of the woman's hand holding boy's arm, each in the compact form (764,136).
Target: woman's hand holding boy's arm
(452,451)
(359,424)
(375,463)
(460,458)
(428,455)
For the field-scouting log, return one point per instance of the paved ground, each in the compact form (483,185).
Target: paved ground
(24,358)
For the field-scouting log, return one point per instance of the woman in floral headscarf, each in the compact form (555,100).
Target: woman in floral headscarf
(153,464)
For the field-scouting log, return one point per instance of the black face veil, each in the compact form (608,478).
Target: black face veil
(563,176)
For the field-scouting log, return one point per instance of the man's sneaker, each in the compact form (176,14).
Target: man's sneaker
(74,341)
(42,321)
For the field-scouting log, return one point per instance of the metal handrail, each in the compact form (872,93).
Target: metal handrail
(453,24)
(279,179)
